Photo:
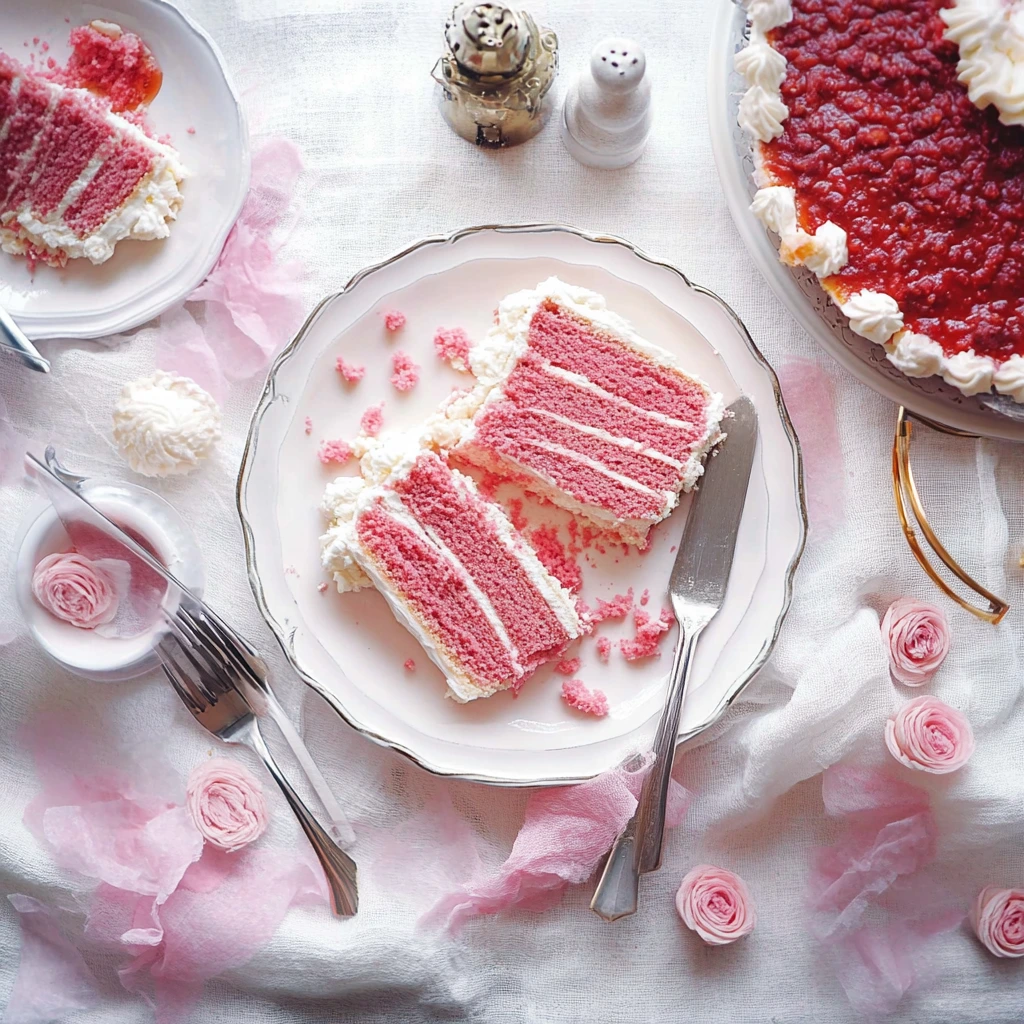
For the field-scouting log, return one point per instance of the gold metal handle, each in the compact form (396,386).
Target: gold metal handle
(905,490)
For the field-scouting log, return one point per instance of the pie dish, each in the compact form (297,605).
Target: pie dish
(878,173)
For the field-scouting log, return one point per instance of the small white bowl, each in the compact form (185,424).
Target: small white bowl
(83,651)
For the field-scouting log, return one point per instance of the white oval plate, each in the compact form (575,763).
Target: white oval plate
(350,648)
(141,279)
(797,288)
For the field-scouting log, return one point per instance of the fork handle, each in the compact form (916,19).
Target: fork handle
(338,866)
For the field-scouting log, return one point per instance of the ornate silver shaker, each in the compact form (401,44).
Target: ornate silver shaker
(495,74)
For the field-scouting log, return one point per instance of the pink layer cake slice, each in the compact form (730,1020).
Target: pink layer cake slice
(451,566)
(574,405)
(76,178)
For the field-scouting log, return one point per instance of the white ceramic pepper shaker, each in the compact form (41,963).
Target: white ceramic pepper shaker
(606,117)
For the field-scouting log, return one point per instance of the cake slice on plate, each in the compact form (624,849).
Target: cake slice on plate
(574,405)
(451,566)
(76,178)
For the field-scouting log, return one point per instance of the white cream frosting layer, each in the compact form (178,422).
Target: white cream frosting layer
(386,460)
(145,216)
(990,35)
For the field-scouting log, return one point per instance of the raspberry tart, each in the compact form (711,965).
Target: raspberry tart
(898,187)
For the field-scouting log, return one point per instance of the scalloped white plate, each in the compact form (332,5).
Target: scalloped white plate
(350,648)
(141,279)
(797,288)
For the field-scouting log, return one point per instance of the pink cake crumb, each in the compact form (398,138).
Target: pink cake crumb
(453,344)
(190,130)
(617,608)
(406,374)
(645,596)
(333,451)
(515,513)
(409,665)
(322,587)
(556,559)
(604,648)
(648,634)
(569,667)
(578,696)
(489,483)
(309,425)
(394,320)
(349,371)
(372,420)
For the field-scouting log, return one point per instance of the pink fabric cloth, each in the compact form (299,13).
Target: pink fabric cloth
(566,832)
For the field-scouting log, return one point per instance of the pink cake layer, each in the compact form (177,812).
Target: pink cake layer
(25,123)
(115,181)
(459,519)
(437,594)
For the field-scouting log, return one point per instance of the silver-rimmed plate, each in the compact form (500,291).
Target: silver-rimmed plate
(197,106)
(798,289)
(349,647)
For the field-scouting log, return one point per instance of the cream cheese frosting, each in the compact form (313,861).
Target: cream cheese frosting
(164,425)
(990,35)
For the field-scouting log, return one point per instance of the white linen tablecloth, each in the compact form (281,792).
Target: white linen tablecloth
(347,81)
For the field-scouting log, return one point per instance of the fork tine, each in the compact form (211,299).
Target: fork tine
(210,631)
(181,683)
(193,646)
(197,673)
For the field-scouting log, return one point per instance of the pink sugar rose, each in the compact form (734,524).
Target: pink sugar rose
(226,803)
(716,904)
(930,736)
(998,920)
(75,589)
(917,639)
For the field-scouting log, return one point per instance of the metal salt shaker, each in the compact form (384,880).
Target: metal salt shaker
(495,74)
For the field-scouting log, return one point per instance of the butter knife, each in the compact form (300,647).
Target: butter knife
(697,588)
(13,340)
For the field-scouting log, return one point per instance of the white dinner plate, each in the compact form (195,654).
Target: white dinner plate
(141,279)
(350,648)
(798,288)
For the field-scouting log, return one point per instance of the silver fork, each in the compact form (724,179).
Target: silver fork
(208,685)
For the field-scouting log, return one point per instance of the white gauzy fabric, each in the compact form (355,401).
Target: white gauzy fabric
(347,80)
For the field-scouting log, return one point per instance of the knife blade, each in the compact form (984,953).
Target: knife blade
(697,588)
(13,340)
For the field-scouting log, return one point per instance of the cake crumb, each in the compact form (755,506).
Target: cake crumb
(569,667)
(617,608)
(407,373)
(349,371)
(489,483)
(191,130)
(648,634)
(452,344)
(394,320)
(309,425)
(577,695)
(409,665)
(556,559)
(372,420)
(334,451)
(604,648)
(322,587)
(645,596)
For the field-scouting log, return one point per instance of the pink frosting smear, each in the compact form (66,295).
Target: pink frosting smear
(916,636)
(716,904)
(75,590)
(350,372)
(226,803)
(334,451)
(372,420)
(565,834)
(997,918)
(394,320)
(649,634)
(930,736)
(452,344)
(577,695)
(407,373)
